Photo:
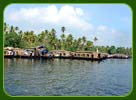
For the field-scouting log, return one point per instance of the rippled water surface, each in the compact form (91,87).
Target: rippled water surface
(60,77)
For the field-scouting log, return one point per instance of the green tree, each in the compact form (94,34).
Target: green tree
(16,29)
(112,50)
(89,45)
(95,39)
(17,38)
(63,29)
(69,42)
(79,44)
(12,29)
(13,40)
(83,42)
(6,28)
(63,39)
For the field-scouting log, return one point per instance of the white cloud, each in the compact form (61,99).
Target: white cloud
(76,21)
(102,28)
(110,36)
(67,15)
(79,11)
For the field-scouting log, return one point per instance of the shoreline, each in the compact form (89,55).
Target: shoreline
(36,53)
(72,58)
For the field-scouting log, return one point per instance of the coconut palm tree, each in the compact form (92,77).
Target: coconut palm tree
(89,45)
(59,44)
(20,32)
(53,33)
(12,29)
(16,29)
(83,42)
(95,39)
(69,41)
(63,38)
(79,45)
(6,28)
(63,29)
(52,38)
(32,37)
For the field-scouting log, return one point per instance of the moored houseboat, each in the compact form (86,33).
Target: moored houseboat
(61,54)
(119,56)
(40,52)
(88,55)
(10,52)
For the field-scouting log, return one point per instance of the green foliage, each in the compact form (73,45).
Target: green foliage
(17,38)
(13,40)
(113,50)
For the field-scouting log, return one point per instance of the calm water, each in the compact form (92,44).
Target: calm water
(68,77)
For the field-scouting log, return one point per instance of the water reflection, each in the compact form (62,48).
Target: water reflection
(67,77)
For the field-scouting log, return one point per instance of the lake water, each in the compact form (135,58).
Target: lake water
(65,77)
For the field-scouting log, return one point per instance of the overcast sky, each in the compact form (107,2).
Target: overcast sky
(110,23)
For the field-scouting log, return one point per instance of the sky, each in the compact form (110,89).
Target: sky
(110,23)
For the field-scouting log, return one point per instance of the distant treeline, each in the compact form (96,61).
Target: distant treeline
(14,37)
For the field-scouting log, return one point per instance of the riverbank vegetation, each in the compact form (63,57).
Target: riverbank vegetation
(14,37)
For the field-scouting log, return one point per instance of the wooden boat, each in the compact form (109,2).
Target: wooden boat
(28,57)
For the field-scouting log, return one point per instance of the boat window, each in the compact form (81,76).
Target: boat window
(92,56)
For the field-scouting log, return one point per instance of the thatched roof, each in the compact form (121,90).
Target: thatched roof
(8,48)
(59,51)
(84,52)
